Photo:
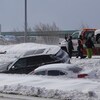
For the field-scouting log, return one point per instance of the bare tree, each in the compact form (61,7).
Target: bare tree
(84,26)
(50,32)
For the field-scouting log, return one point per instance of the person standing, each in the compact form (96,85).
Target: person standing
(81,39)
(70,46)
(80,49)
(89,46)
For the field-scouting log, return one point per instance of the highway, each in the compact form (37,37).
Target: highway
(20,97)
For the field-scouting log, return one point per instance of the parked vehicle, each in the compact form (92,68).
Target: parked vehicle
(61,69)
(8,39)
(92,73)
(2,40)
(11,39)
(85,33)
(35,58)
(97,36)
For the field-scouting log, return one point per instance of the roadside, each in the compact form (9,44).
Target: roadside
(20,97)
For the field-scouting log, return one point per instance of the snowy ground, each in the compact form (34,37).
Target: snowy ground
(62,88)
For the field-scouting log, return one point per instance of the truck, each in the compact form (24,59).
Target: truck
(85,33)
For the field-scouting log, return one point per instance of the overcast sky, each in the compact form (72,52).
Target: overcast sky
(67,14)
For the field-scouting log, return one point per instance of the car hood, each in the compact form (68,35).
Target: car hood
(4,66)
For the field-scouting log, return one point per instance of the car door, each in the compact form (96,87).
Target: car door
(19,66)
(25,65)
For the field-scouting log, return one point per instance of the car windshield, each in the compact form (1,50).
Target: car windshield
(61,55)
(75,35)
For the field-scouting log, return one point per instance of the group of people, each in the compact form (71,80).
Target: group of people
(88,44)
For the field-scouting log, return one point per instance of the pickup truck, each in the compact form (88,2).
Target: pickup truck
(85,33)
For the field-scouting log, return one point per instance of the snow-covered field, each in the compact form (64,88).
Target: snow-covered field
(62,88)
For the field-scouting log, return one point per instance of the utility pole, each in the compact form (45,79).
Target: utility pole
(25,34)
(0,29)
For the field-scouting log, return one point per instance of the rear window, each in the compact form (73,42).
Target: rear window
(40,73)
(75,69)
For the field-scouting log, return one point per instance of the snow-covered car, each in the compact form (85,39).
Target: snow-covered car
(35,58)
(60,69)
(11,39)
(2,40)
(92,73)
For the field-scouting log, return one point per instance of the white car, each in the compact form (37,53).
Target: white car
(60,69)
(92,73)
(11,39)
(97,35)
(2,40)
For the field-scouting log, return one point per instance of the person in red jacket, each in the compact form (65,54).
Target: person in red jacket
(80,50)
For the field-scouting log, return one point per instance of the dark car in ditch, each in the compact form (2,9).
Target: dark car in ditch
(35,58)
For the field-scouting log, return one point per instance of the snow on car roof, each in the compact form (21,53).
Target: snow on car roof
(23,49)
(43,50)
(59,66)
(16,51)
(97,31)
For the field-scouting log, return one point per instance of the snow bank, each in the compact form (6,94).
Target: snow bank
(50,87)
(63,89)
(51,93)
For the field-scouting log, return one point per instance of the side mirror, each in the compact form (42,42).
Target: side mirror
(13,67)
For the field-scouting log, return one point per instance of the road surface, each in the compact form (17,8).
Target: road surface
(20,97)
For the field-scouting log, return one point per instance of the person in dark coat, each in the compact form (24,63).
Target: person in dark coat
(80,49)
(81,39)
(89,46)
(70,46)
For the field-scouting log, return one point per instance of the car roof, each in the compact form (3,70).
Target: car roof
(42,51)
(58,66)
(97,31)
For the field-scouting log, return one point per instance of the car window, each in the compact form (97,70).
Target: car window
(62,55)
(20,63)
(33,61)
(75,35)
(40,73)
(55,73)
(75,69)
(88,34)
(38,60)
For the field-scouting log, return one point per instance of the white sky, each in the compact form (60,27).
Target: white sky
(67,14)
(51,87)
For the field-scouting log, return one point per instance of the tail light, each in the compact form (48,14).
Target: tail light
(82,75)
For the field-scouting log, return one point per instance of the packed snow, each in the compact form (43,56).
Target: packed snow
(60,88)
